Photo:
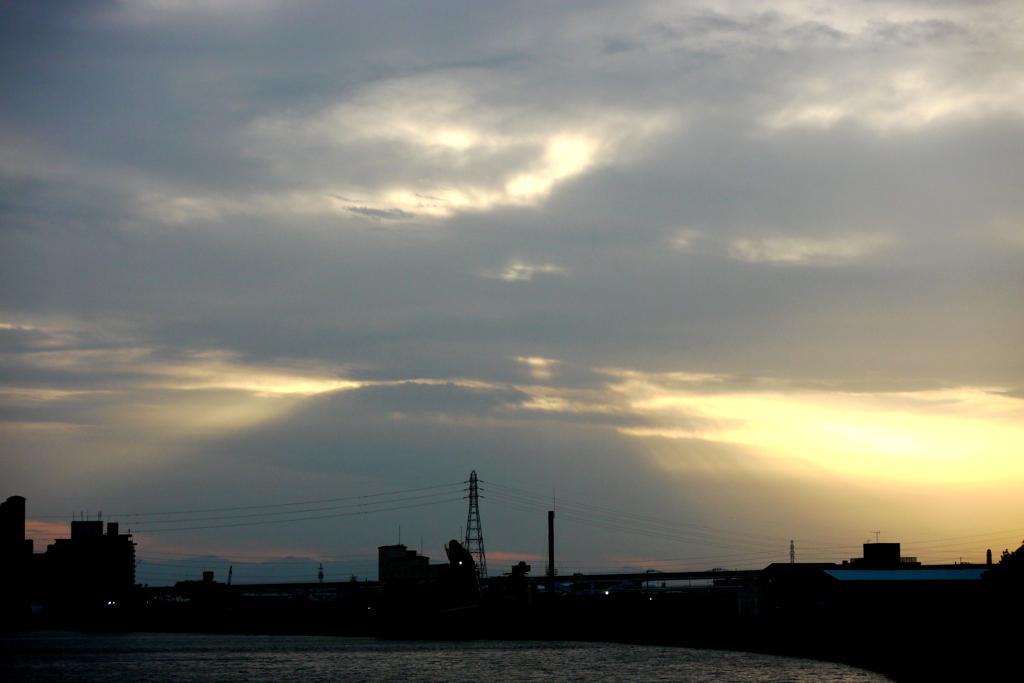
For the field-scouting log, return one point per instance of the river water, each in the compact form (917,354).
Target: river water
(173,658)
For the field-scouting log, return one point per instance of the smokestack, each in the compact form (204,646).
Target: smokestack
(988,556)
(551,553)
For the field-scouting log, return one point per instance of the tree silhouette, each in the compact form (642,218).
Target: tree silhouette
(1005,580)
(1014,560)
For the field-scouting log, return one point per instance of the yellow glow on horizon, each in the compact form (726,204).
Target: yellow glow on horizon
(265,383)
(206,370)
(954,435)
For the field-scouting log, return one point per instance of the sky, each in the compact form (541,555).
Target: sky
(706,277)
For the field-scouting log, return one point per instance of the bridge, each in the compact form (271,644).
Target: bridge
(575,584)
(592,584)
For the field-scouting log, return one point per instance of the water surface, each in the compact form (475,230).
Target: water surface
(174,658)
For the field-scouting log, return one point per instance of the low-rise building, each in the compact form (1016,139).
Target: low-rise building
(396,562)
(91,566)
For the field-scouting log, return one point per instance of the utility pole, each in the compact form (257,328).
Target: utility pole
(792,553)
(474,533)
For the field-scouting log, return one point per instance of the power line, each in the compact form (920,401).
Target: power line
(122,515)
(751,547)
(156,558)
(292,512)
(610,514)
(636,524)
(249,557)
(300,519)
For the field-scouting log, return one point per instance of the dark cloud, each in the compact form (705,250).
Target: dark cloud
(783,200)
(381,214)
(21,339)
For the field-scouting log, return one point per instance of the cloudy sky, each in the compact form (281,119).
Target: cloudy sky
(729,272)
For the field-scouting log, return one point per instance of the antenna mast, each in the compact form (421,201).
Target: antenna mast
(474,534)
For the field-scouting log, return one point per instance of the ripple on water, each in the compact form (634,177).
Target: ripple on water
(174,658)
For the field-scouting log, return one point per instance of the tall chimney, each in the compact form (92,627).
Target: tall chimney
(551,554)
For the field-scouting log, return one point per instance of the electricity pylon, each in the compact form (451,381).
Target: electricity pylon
(474,534)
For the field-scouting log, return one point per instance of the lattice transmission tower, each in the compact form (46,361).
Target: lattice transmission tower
(474,534)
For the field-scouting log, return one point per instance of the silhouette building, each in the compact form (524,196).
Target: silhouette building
(91,567)
(16,559)
(12,529)
(883,556)
(396,562)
